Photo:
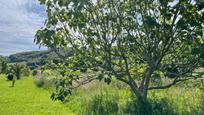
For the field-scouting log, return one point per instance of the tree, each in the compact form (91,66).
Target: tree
(3,66)
(17,70)
(139,42)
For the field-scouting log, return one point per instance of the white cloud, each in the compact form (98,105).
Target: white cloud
(19,20)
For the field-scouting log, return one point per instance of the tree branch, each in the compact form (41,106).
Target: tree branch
(171,84)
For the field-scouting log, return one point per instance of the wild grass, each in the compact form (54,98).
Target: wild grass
(101,99)
(97,98)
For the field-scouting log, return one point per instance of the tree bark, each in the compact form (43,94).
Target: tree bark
(141,100)
(139,94)
(147,81)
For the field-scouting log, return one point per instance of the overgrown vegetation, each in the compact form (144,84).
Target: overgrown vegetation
(102,99)
(45,79)
(98,98)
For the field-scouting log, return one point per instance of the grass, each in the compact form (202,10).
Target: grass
(26,99)
(96,98)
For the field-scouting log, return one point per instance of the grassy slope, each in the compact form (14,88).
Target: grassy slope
(26,99)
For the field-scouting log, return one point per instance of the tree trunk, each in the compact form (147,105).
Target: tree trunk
(140,94)
(141,100)
(145,86)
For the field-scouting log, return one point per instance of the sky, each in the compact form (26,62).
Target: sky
(19,20)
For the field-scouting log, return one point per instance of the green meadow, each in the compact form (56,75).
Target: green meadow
(97,98)
(26,99)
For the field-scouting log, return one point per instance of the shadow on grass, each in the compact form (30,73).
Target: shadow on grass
(153,107)
(109,105)
(102,105)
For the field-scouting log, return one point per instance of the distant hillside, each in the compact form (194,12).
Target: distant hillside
(35,58)
(32,56)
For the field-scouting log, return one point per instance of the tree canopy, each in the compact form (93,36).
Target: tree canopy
(139,42)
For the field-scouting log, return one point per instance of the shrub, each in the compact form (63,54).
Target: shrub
(44,80)
(38,80)
(35,72)
(26,72)
(10,76)
(39,83)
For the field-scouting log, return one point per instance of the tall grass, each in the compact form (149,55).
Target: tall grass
(101,99)
(98,98)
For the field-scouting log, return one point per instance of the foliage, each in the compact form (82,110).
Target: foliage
(35,72)
(19,70)
(45,80)
(39,82)
(3,66)
(26,71)
(10,76)
(138,42)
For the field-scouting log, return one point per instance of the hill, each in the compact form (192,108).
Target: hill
(36,58)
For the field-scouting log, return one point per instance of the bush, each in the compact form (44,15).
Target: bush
(38,80)
(26,72)
(44,80)
(35,72)
(10,76)
(39,83)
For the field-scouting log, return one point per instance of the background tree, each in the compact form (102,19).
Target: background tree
(139,42)
(17,70)
(3,66)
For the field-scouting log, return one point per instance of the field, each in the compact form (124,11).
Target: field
(95,99)
(26,99)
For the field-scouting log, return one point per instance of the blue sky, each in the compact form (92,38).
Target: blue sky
(19,20)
